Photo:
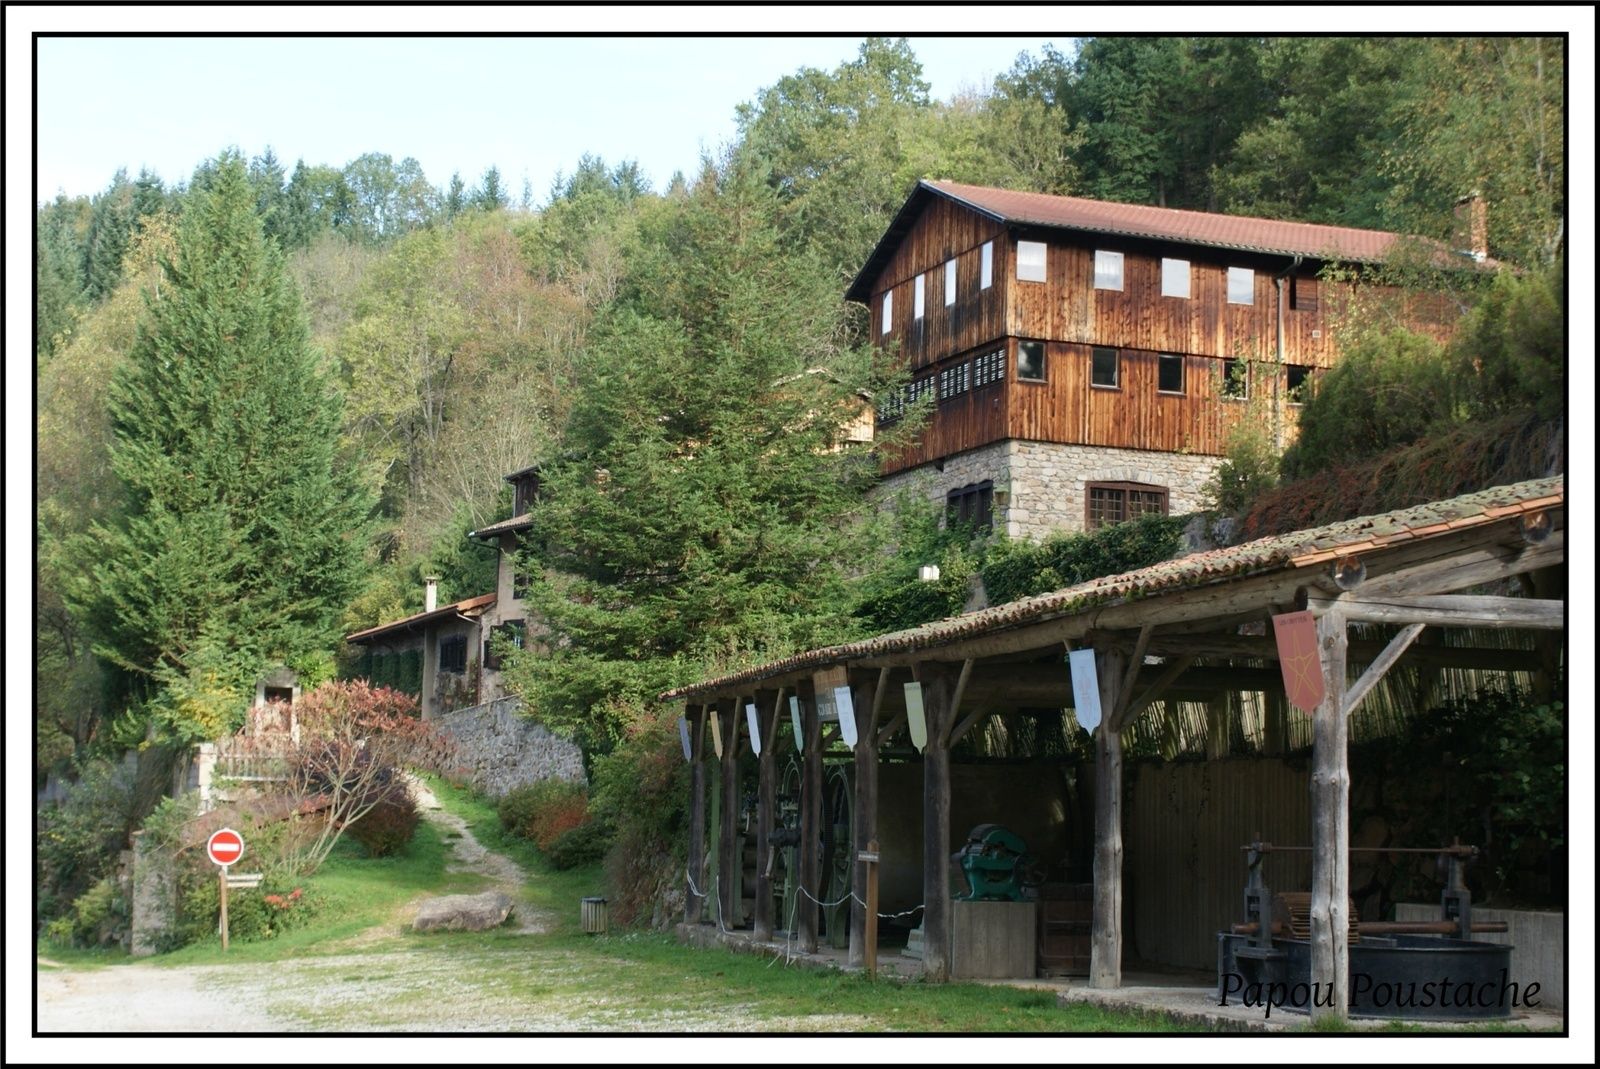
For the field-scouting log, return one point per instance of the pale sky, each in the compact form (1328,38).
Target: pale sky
(529,105)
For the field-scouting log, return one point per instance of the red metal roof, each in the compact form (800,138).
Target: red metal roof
(1246,233)
(459,608)
(1297,549)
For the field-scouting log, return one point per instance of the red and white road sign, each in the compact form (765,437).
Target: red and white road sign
(225,847)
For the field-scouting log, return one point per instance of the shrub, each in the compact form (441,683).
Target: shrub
(1021,569)
(584,845)
(545,810)
(253,914)
(1248,470)
(78,840)
(389,825)
(641,790)
(98,917)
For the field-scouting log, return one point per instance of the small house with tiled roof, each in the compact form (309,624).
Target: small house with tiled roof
(1087,360)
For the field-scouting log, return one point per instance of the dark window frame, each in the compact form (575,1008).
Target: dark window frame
(1122,493)
(971,505)
(516,628)
(1225,391)
(1166,360)
(453,654)
(955,382)
(1305,386)
(1044,361)
(1116,367)
(989,369)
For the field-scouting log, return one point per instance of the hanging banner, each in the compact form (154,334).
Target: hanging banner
(799,725)
(1300,659)
(1085,688)
(846,707)
(716,733)
(914,718)
(755,728)
(683,737)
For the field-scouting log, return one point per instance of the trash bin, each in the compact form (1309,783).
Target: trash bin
(594,916)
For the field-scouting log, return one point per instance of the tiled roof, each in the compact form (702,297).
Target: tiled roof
(1294,550)
(459,608)
(515,523)
(1276,237)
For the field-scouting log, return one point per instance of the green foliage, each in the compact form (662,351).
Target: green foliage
(254,914)
(641,789)
(98,917)
(240,542)
(893,597)
(1249,469)
(78,840)
(583,845)
(1019,569)
(1511,347)
(544,810)
(389,825)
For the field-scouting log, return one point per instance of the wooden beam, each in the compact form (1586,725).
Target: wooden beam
(810,826)
(938,705)
(1380,667)
(888,730)
(1447,610)
(1158,686)
(694,903)
(728,858)
(1125,689)
(1105,950)
(972,719)
(956,698)
(1330,825)
(1472,568)
(766,808)
(1360,652)
(867,697)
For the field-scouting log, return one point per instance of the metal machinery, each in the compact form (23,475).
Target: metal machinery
(997,865)
(835,852)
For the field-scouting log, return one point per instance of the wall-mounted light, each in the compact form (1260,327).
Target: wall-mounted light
(1348,572)
(1536,527)
(928,573)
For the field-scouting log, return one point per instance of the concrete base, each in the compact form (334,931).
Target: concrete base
(993,940)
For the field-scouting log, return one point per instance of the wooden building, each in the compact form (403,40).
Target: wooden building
(453,646)
(1085,361)
(1192,629)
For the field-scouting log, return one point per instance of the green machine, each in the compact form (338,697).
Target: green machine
(996,864)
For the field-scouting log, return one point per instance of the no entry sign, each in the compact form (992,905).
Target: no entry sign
(225,847)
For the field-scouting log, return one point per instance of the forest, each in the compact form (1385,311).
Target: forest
(394,344)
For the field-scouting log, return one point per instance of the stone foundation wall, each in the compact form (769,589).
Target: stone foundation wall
(500,749)
(1041,487)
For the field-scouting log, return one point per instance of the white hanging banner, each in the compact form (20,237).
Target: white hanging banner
(683,737)
(847,715)
(799,725)
(755,728)
(914,718)
(716,732)
(1085,689)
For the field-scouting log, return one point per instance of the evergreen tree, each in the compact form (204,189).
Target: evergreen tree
(239,540)
(455,200)
(490,196)
(111,220)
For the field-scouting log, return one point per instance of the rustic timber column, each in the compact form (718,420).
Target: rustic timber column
(867,691)
(937,707)
(1330,829)
(1105,949)
(694,903)
(768,709)
(729,715)
(810,822)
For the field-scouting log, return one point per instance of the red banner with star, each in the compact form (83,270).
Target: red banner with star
(1300,659)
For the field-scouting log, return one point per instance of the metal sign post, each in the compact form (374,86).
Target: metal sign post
(224,848)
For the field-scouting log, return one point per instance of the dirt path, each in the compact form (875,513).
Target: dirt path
(469,855)
(146,998)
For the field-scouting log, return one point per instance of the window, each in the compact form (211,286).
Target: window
(1235,380)
(1107,270)
(1115,502)
(953,381)
(453,654)
(989,368)
(919,389)
(1169,373)
(949,283)
(1030,261)
(888,312)
(1030,361)
(527,492)
(986,266)
(1174,278)
(971,506)
(1241,285)
(1299,384)
(1303,294)
(1103,368)
(919,297)
(513,634)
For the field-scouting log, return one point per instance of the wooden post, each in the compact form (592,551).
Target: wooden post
(1330,830)
(694,903)
(870,927)
(867,692)
(730,716)
(937,688)
(768,708)
(810,825)
(1105,951)
(222,920)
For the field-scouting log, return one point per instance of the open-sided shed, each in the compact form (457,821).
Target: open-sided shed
(1199,625)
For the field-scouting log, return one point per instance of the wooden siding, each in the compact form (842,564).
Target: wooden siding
(976,417)
(943,231)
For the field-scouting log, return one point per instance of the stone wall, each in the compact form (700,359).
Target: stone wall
(500,749)
(1041,487)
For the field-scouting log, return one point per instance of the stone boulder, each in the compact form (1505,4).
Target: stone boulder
(463,913)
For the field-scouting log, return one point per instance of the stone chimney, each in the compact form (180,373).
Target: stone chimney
(1472,226)
(430,600)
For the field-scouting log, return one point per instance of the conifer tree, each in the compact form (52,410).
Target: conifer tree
(239,539)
